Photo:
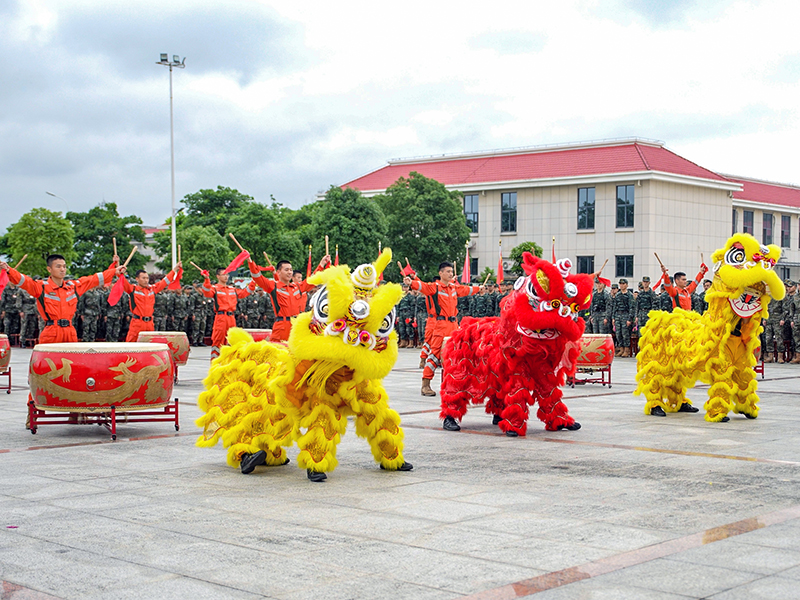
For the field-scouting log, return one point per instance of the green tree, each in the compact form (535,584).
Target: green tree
(94,233)
(214,208)
(200,245)
(301,222)
(260,229)
(425,223)
(354,222)
(487,272)
(38,233)
(516,255)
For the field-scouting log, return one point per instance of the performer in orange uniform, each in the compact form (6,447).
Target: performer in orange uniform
(680,293)
(444,295)
(430,324)
(56,298)
(225,299)
(287,296)
(143,298)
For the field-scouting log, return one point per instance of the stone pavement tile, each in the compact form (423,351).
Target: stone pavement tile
(523,524)
(608,536)
(594,589)
(444,511)
(784,535)
(372,586)
(175,587)
(547,555)
(767,588)
(663,575)
(793,573)
(733,554)
(101,502)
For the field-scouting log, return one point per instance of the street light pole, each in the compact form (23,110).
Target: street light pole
(179,65)
(60,198)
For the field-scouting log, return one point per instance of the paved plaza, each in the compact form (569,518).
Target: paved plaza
(629,506)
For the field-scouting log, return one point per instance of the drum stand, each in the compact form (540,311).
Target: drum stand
(38,417)
(604,378)
(7,375)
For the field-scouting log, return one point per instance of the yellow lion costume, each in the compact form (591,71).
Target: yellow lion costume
(260,396)
(676,349)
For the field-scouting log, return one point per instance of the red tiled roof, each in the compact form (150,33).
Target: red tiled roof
(770,193)
(538,164)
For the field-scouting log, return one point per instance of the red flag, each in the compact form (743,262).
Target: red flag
(116,292)
(308,268)
(465,274)
(3,280)
(500,275)
(237,262)
(176,285)
(604,281)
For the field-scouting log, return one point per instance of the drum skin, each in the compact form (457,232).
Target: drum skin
(5,353)
(597,350)
(259,335)
(89,377)
(177,341)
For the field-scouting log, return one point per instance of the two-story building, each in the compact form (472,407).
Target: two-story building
(620,200)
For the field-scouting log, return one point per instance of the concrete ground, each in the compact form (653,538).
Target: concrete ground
(630,506)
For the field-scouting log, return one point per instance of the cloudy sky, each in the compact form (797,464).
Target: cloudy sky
(286,98)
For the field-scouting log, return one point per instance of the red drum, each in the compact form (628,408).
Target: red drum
(597,350)
(177,341)
(5,353)
(92,377)
(259,334)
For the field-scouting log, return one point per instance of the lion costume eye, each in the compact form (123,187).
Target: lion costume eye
(388,323)
(530,290)
(319,304)
(735,256)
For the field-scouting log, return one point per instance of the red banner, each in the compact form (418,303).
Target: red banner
(237,262)
(465,274)
(116,292)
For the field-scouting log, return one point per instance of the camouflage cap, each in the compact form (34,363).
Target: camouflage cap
(623,281)
(614,286)
(645,279)
(789,282)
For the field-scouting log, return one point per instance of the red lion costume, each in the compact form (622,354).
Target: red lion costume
(522,356)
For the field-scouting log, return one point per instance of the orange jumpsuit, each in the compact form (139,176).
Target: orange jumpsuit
(142,301)
(57,304)
(444,299)
(430,323)
(683,298)
(288,300)
(225,299)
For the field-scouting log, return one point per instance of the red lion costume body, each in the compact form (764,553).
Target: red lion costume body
(522,356)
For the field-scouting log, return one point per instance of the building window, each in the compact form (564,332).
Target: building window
(786,272)
(735,215)
(473,267)
(624,206)
(508,220)
(747,222)
(586,263)
(624,266)
(471,211)
(766,229)
(786,231)
(586,209)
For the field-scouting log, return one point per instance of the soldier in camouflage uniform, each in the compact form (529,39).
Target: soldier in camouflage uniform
(115,318)
(421,318)
(645,302)
(28,318)
(90,313)
(791,291)
(773,333)
(623,317)
(463,305)
(252,311)
(405,315)
(161,307)
(600,309)
(794,319)
(200,316)
(267,314)
(180,310)
(9,310)
(505,289)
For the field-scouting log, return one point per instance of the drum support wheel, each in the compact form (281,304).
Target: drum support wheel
(7,374)
(38,417)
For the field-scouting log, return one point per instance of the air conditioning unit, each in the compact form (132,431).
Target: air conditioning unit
(507,265)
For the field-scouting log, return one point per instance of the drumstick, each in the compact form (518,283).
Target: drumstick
(487,278)
(326,246)
(601,268)
(235,241)
(115,245)
(269,262)
(195,266)
(20,261)
(130,256)
(658,259)
(400,266)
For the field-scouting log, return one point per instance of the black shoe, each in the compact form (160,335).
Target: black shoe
(574,427)
(657,411)
(250,461)
(686,407)
(749,416)
(725,419)
(510,433)
(404,467)
(450,424)
(496,419)
(316,476)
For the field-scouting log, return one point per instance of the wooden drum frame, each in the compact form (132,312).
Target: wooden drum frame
(595,358)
